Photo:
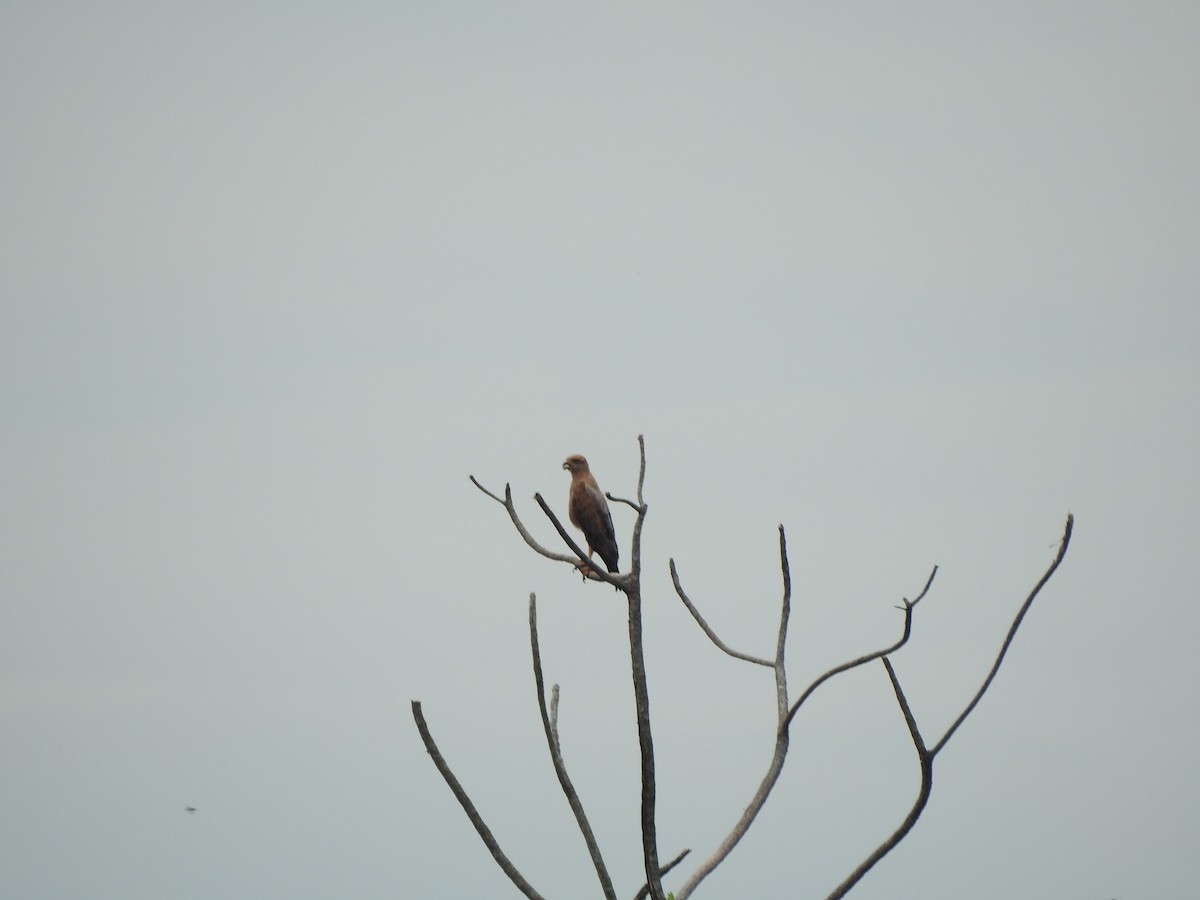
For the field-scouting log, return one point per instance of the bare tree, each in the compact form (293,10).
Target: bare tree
(629,583)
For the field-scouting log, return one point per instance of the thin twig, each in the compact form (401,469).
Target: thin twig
(645,889)
(475,481)
(909,720)
(786,611)
(641,469)
(628,503)
(635,566)
(1012,632)
(469,808)
(549,724)
(908,607)
(712,635)
(510,507)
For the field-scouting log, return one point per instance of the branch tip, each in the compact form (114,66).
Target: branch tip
(707,629)
(468,807)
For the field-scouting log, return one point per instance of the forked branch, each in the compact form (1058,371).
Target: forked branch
(630,584)
(620,582)
(550,725)
(644,892)
(580,559)
(782,737)
(927,755)
(507,502)
(785,713)
(908,607)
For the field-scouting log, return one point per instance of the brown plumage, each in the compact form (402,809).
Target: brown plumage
(589,512)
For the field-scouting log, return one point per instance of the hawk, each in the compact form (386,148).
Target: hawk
(589,512)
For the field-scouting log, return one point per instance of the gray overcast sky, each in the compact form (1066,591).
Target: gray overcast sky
(913,279)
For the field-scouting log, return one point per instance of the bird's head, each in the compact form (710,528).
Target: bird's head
(575,463)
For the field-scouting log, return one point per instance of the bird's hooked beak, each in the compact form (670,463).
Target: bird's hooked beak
(567,466)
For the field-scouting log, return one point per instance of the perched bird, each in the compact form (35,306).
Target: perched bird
(589,512)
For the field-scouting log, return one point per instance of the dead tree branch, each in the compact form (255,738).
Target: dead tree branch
(926,756)
(712,635)
(786,709)
(645,889)
(469,808)
(620,582)
(630,584)
(580,558)
(550,725)
(785,714)
(926,761)
(554,712)
(510,507)
(1012,632)
(635,564)
(782,735)
(628,503)
(908,607)
(641,694)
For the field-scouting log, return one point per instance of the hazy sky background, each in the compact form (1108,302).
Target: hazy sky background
(913,279)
